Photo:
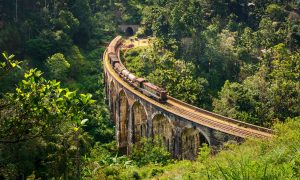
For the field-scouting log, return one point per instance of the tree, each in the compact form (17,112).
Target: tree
(276,12)
(273,93)
(285,87)
(42,116)
(235,102)
(66,22)
(82,11)
(58,66)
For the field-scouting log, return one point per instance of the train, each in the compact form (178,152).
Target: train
(140,84)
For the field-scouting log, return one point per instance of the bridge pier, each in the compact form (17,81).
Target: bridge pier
(130,131)
(135,119)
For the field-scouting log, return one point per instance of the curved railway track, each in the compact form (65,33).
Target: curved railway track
(192,113)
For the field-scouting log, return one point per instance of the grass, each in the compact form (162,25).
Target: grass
(278,158)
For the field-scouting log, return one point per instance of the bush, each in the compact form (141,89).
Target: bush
(276,12)
(150,151)
(58,66)
(76,60)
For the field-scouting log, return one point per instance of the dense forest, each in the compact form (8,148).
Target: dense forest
(240,59)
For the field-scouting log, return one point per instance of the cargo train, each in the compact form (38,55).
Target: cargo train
(140,84)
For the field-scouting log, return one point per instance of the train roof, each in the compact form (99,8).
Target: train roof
(140,79)
(152,86)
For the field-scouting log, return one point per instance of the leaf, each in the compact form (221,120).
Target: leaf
(56,83)
(84,98)
(11,56)
(92,101)
(75,129)
(38,73)
(3,64)
(83,121)
(59,99)
(5,55)
(28,74)
(25,82)
(69,94)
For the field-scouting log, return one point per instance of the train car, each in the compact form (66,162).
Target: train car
(131,78)
(118,40)
(155,92)
(119,68)
(125,73)
(139,82)
(113,59)
(111,49)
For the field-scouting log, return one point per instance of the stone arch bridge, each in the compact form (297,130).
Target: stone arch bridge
(182,127)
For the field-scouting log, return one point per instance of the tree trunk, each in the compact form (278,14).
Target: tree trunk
(16,19)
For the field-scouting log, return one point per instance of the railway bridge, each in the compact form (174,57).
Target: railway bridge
(183,128)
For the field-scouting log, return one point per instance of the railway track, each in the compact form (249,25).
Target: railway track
(218,125)
(194,114)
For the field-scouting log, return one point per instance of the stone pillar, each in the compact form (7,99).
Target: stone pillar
(149,125)
(130,130)
(177,139)
(117,116)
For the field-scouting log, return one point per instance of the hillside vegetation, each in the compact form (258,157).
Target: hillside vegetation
(238,58)
(278,158)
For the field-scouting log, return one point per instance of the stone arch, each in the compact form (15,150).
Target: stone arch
(162,127)
(139,122)
(123,121)
(204,138)
(112,101)
(129,31)
(191,140)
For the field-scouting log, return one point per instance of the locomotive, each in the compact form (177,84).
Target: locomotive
(140,84)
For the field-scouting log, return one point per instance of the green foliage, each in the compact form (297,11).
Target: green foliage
(8,63)
(176,76)
(38,106)
(199,46)
(47,44)
(76,60)
(204,153)
(10,72)
(271,94)
(58,66)
(43,117)
(82,11)
(277,158)
(104,161)
(134,63)
(66,22)
(38,48)
(6,34)
(150,151)
(276,12)
(236,103)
